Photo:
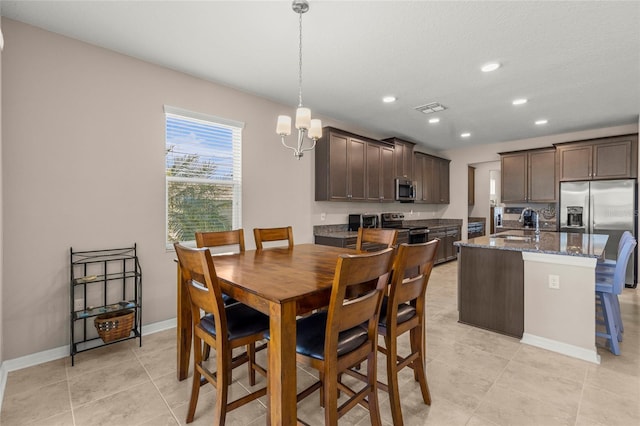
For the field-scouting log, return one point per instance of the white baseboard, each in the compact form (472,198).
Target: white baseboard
(562,348)
(62,352)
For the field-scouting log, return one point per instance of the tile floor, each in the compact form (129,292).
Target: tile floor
(476,378)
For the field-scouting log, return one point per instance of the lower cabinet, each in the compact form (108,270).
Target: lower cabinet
(447,236)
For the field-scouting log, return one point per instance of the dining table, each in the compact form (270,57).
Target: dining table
(282,283)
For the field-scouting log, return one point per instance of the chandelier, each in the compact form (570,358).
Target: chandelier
(305,125)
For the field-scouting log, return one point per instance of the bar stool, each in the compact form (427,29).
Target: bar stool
(607,290)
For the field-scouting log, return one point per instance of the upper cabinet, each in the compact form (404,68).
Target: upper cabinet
(353,168)
(604,158)
(431,175)
(529,176)
(379,173)
(402,158)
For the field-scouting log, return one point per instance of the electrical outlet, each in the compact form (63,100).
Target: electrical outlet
(78,304)
(554,282)
(323,216)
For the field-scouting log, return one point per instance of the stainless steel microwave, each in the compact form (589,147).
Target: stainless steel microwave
(405,190)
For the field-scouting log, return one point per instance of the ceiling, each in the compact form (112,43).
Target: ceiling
(577,63)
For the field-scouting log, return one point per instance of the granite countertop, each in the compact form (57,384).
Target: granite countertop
(562,243)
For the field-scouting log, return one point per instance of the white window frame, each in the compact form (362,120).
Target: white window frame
(214,121)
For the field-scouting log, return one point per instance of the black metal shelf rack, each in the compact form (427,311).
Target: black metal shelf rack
(103,282)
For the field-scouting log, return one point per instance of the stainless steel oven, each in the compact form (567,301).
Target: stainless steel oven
(416,234)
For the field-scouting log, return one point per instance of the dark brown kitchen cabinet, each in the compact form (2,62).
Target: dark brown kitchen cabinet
(340,167)
(529,176)
(380,173)
(447,236)
(350,167)
(403,157)
(602,158)
(432,179)
(443,181)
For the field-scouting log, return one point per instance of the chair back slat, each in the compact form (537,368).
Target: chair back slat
(411,257)
(387,237)
(199,274)
(357,271)
(620,271)
(221,239)
(273,234)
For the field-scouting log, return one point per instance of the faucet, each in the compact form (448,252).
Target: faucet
(526,209)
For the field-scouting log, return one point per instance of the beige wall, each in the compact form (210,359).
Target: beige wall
(83,166)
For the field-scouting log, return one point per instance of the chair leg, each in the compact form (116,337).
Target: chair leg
(372,378)
(610,323)
(195,386)
(321,377)
(222,388)
(330,397)
(616,307)
(417,339)
(392,380)
(251,354)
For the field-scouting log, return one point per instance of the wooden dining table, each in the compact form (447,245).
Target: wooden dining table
(282,283)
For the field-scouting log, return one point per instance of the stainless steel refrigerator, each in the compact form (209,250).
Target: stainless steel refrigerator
(602,207)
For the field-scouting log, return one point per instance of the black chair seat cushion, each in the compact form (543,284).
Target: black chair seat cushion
(405,312)
(242,321)
(310,333)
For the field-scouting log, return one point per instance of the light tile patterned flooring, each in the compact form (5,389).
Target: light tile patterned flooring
(476,378)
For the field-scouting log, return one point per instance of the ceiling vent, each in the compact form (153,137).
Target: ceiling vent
(431,108)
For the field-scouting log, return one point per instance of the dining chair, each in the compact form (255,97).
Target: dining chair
(607,290)
(331,341)
(379,236)
(233,238)
(272,234)
(222,239)
(222,327)
(402,311)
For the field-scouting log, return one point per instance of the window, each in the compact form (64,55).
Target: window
(203,174)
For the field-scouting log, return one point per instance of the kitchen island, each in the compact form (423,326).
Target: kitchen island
(537,288)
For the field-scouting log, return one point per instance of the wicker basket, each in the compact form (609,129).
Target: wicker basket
(114,326)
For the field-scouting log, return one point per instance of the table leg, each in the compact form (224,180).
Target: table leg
(282,364)
(183,329)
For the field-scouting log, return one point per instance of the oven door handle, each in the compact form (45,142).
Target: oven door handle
(418,231)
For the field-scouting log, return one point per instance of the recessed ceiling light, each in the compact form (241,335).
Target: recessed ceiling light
(541,122)
(388,99)
(465,135)
(519,101)
(434,120)
(492,66)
